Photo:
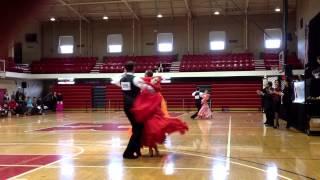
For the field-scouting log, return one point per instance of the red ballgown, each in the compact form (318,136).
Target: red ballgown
(147,110)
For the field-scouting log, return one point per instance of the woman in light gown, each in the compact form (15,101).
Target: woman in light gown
(205,111)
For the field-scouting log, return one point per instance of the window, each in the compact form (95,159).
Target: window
(217,40)
(165,42)
(66,44)
(272,38)
(114,43)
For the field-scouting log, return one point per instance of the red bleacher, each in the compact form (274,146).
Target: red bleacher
(75,96)
(114,97)
(189,63)
(236,94)
(227,94)
(64,65)
(114,64)
(217,62)
(10,65)
(271,61)
(178,95)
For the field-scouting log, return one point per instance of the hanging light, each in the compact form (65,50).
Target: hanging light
(159,16)
(216,13)
(105,17)
(277,9)
(52,19)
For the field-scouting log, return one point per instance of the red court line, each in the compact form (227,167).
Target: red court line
(89,126)
(16,160)
(95,126)
(13,171)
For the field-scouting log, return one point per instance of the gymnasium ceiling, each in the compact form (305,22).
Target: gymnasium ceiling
(117,9)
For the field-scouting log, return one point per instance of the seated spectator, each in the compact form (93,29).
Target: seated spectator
(6,97)
(4,110)
(20,109)
(19,95)
(13,97)
(35,110)
(41,106)
(40,102)
(29,105)
(20,99)
(13,106)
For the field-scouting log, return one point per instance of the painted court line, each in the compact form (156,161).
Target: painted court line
(232,162)
(38,168)
(177,152)
(229,139)
(48,127)
(229,145)
(104,166)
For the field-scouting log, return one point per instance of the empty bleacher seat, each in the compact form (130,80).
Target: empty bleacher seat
(235,94)
(271,61)
(114,64)
(64,65)
(75,96)
(217,62)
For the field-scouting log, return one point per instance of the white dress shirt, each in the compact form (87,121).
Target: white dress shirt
(137,81)
(199,96)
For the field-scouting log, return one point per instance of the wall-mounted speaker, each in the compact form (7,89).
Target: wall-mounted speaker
(24,85)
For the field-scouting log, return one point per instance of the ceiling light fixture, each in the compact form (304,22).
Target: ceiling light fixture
(105,17)
(159,16)
(52,19)
(277,9)
(216,13)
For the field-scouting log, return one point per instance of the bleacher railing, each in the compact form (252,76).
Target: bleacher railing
(2,68)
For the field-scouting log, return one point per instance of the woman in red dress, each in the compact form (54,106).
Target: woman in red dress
(147,109)
(205,111)
(148,77)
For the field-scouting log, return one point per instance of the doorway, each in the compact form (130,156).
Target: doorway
(18,53)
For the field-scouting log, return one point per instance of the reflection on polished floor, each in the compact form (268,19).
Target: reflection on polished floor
(79,145)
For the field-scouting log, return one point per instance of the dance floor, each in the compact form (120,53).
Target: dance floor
(78,145)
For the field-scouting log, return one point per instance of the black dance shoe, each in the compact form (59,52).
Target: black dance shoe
(130,156)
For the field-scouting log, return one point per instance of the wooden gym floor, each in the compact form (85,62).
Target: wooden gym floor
(79,145)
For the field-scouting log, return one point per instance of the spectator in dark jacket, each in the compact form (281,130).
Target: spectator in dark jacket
(267,102)
(287,97)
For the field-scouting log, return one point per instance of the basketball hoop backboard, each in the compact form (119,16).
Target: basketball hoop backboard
(281,62)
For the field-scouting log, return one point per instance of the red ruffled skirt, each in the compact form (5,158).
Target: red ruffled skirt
(147,110)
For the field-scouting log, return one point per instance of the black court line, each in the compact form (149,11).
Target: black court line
(261,164)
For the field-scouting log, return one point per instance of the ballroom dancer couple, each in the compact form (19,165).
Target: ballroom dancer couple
(146,110)
(202,104)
